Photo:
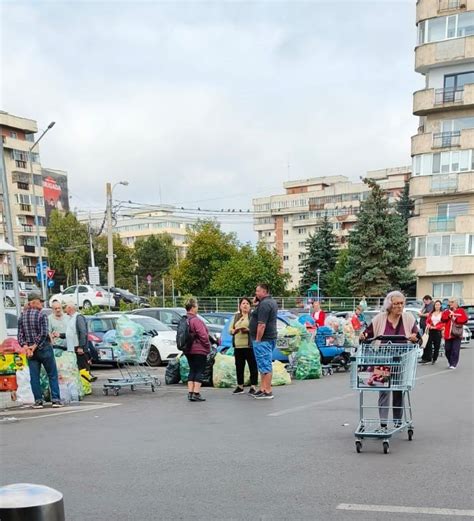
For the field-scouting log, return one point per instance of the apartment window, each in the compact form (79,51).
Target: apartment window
(286,219)
(443,162)
(302,231)
(286,232)
(302,244)
(447,289)
(285,245)
(285,257)
(269,234)
(456,82)
(446,27)
(453,125)
(302,256)
(13,134)
(23,198)
(30,137)
(446,210)
(302,216)
(23,186)
(336,226)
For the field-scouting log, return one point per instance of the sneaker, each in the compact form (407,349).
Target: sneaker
(198,398)
(381,430)
(37,405)
(252,391)
(238,390)
(397,424)
(433,362)
(265,396)
(256,394)
(451,367)
(93,378)
(57,405)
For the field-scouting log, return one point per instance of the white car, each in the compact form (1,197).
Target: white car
(85,297)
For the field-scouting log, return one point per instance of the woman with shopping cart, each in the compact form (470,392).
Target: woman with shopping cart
(392,321)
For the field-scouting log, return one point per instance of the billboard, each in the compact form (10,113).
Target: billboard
(55,192)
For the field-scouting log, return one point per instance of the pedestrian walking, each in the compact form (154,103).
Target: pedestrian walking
(243,350)
(453,318)
(363,303)
(263,333)
(318,314)
(427,308)
(197,353)
(33,336)
(76,340)
(57,326)
(435,327)
(392,321)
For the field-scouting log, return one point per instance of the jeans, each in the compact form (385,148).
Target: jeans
(451,349)
(197,364)
(434,341)
(384,405)
(242,355)
(45,357)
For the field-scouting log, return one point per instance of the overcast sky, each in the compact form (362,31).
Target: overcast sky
(203,103)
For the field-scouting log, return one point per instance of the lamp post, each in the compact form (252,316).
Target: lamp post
(318,272)
(35,209)
(109,189)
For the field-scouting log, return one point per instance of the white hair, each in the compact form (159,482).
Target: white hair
(387,303)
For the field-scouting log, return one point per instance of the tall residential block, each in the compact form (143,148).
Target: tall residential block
(442,183)
(285,221)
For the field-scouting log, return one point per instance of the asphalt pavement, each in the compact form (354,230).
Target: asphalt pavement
(156,456)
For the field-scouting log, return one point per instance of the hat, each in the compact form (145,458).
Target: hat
(34,295)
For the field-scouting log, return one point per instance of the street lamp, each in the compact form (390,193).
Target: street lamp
(318,272)
(35,209)
(110,244)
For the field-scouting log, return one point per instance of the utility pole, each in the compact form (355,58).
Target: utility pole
(90,242)
(110,243)
(8,216)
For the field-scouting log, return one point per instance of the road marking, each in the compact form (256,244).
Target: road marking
(446,371)
(69,410)
(406,510)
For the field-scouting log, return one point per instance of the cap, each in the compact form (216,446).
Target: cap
(34,295)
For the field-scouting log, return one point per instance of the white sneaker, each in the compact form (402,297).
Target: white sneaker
(451,367)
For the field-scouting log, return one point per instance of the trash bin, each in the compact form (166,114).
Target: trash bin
(28,502)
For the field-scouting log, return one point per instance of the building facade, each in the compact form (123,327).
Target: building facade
(285,221)
(442,183)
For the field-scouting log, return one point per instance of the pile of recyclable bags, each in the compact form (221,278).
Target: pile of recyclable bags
(172,375)
(289,338)
(207,375)
(129,336)
(183,369)
(308,361)
(280,375)
(71,387)
(224,371)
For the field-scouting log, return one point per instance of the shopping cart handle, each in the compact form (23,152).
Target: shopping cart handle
(396,339)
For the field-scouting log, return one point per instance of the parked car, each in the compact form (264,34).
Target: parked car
(11,319)
(24,289)
(123,295)
(163,344)
(218,318)
(470,320)
(84,297)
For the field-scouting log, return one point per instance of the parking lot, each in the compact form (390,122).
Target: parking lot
(144,455)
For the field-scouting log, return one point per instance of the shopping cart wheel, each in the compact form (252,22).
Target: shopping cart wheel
(116,392)
(386,447)
(105,392)
(358,446)
(152,388)
(410,434)
(132,387)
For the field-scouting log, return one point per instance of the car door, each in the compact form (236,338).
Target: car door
(82,294)
(68,295)
(169,317)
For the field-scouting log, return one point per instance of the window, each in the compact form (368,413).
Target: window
(302,256)
(285,257)
(302,216)
(443,162)
(286,232)
(447,289)
(285,245)
(286,219)
(453,209)
(23,186)
(453,125)
(302,244)
(13,134)
(446,27)
(337,226)
(70,290)
(302,231)
(30,137)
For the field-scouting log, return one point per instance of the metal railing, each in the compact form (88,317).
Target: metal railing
(27,228)
(447,139)
(29,249)
(25,207)
(442,224)
(449,95)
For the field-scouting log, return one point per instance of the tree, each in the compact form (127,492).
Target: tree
(405,204)
(155,255)
(124,261)
(209,248)
(321,254)
(379,254)
(68,246)
(337,280)
(248,267)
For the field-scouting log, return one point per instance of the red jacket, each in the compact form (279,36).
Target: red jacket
(321,319)
(460,318)
(201,344)
(439,326)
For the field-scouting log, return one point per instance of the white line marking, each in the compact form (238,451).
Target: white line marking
(71,410)
(407,510)
(446,371)
(311,404)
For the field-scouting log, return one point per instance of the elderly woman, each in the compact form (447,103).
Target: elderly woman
(453,319)
(392,321)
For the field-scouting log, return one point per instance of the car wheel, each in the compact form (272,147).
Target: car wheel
(154,357)
(87,304)
(8,302)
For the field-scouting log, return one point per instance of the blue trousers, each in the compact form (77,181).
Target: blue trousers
(45,357)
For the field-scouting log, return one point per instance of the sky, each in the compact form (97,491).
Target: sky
(206,103)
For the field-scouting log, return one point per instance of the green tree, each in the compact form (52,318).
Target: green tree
(379,254)
(337,280)
(124,261)
(405,205)
(209,248)
(68,246)
(321,254)
(248,267)
(155,255)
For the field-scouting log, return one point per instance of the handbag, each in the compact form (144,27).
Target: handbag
(456,330)
(424,339)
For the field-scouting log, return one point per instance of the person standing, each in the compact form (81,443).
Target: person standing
(76,338)
(427,308)
(318,314)
(363,303)
(33,336)
(197,353)
(243,350)
(434,326)
(453,318)
(263,333)
(57,326)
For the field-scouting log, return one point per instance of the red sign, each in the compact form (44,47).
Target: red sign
(50,273)
(52,191)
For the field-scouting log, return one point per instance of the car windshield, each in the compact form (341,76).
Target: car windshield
(150,323)
(101,325)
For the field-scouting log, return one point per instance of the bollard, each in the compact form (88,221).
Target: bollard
(27,502)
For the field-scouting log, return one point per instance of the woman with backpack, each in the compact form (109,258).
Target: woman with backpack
(243,350)
(200,347)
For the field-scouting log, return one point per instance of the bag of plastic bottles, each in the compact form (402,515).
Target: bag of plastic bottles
(280,375)
(223,374)
(209,370)
(24,394)
(183,369)
(308,362)
(172,375)
(129,340)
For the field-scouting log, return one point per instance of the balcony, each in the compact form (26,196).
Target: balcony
(27,228)
(28,248)
(427,142)
(441,224)
(431,8)
(447,139)
(446,52)
(25,208)
(430,101)
(444,183)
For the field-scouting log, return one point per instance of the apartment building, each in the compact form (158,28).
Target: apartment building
(285,221)
(140,224)
(442,184)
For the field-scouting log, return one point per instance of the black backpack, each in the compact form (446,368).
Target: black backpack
(184,338)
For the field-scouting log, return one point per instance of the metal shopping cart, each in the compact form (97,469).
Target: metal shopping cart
(134,370)
(288,345)
(385,364)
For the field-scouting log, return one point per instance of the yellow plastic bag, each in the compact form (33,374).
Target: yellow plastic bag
(86,381)
(280,375)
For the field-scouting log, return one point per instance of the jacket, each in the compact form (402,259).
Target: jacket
(200,334)
(439,326)
(460,317)
(321,318)
(379,323)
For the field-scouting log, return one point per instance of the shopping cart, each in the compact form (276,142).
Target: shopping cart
(384,364)
(288,345)
(134,370)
